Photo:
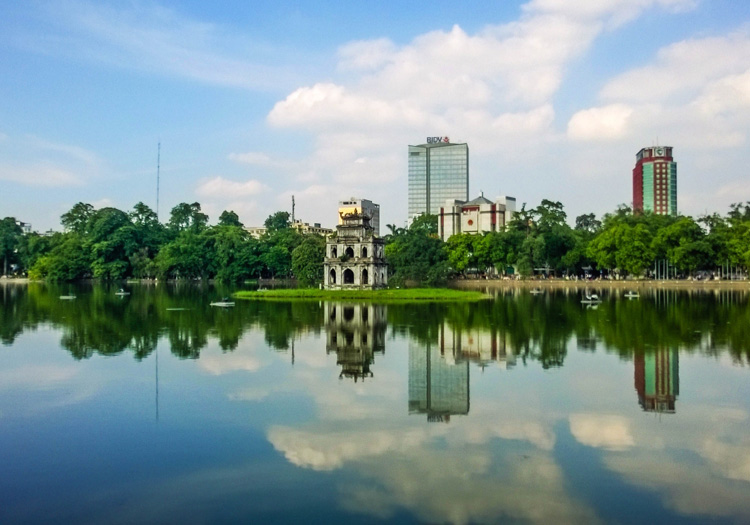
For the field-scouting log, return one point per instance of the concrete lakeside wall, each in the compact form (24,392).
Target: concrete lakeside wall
(472,284)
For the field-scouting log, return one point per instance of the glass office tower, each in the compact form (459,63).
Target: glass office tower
(437,172)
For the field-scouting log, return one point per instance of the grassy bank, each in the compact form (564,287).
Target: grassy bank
(482,284)
(390,295)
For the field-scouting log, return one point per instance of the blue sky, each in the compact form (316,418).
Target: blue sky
(254,102)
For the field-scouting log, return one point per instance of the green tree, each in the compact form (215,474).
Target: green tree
(187,216)
(77,219)
(278,221)
(68,260)
(11,235)
(460,250)
(229,218)
(685,245)
(417,255)
(236,253)
(110,240)
(307,260)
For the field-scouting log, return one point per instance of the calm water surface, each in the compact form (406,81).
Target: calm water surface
(156,407)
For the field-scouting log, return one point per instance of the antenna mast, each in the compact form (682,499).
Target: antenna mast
(292,209)
(158,165)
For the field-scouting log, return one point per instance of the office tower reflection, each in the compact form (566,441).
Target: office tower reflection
(439,373)
(356,332)
(657,380)
(438,384)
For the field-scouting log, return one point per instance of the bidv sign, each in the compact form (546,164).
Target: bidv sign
(435,140)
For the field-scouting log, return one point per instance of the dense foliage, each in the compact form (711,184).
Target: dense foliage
(534,328)
(110,244)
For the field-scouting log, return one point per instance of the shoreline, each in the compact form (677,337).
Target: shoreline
(603,284)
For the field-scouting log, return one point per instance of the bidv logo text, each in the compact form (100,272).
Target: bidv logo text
(435,140)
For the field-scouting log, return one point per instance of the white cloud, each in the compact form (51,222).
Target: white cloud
(738,190)
(682,69)
(614,12)
(603,123)
(367,54)
(602,431)
(221,187)
(731,460)
(257,158)
(230,362)
(727,95)
(40,174)
(493,89)
(37,377)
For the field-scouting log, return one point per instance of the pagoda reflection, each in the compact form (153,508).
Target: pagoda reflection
(657,380)
(355,332)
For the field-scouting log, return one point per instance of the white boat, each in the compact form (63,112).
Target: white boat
(67,297)
(591,299)
(535,291)
(632,295)
(224,303)
(122,292)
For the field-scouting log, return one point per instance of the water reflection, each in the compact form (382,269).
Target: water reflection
(438,384)
(518,327)
(657,380)
(355,332)
(536,393)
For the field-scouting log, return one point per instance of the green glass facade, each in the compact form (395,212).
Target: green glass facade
(437,172)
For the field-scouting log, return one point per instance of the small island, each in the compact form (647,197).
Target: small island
(381,295)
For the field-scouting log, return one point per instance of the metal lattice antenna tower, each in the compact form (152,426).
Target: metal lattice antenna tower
(158,166)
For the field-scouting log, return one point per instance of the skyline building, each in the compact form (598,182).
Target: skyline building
(361,207)
(477,216)
(655,181)
(438,171)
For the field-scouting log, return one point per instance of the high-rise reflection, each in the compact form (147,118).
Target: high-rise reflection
(356,332)
(657,380)
(439,379)
(438,384)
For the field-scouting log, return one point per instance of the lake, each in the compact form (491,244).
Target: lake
(155,407)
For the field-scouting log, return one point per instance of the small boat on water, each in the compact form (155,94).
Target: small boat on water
(632,295)
(67,297)
(535,291)
(224,303)
(591,299)
(122,292)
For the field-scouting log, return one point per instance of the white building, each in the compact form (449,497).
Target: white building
(477,216)
(361,207)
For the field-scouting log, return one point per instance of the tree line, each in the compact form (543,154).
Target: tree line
(537,329)
(111,244)
(540,241)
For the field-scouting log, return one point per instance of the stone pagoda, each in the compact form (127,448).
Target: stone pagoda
(355,257)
